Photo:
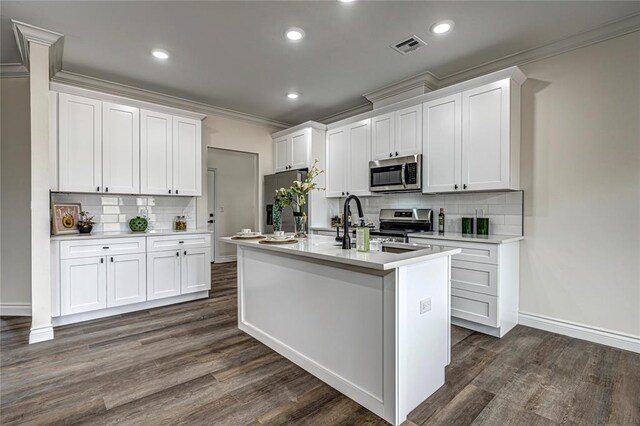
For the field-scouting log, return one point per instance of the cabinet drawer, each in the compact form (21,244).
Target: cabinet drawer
(178,242)
(472,252)
(475,307)
(473,276)
(74,249)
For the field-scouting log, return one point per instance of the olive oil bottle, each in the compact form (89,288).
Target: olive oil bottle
(441,221)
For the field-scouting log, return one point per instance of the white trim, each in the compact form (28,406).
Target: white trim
(13,70)
(102,313)
(41,334)
(343,115)
(305,125)
(581,331)
(15,309)
(425,81)
(117,89)
(26,33)
(226,259)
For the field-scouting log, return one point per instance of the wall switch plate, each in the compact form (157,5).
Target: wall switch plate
(425,305)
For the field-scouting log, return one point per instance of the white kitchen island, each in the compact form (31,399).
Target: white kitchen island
(374,326)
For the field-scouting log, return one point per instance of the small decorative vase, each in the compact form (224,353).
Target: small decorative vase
(277,216)
(300,220)
(85,229)
(138,224)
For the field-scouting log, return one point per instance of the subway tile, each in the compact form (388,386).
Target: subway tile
(514,197)
(497,198)
(512,219)
(504,209)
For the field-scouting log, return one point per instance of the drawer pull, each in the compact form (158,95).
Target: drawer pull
(181,242)
(105,248)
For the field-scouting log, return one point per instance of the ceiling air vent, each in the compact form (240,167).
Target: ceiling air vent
(408,45)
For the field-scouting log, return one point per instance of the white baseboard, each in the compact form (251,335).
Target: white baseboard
(15,309)
(41,334)
(226,259)
(580,331)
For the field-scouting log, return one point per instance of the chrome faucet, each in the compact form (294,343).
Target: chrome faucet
(346,239)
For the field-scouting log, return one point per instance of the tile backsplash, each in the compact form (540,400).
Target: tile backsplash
(113,212)
(504,209)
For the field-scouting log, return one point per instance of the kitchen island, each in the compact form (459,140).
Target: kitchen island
(374,326)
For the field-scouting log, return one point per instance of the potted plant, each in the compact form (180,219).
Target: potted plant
(85,223)
(296,196)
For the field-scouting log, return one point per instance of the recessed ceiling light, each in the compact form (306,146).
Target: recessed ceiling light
(160,54)
(347,1)
(293,95)
(294,34)
(442,27)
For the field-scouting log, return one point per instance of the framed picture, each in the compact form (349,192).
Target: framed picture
(65,218)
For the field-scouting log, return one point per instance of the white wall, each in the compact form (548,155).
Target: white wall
(580,171)
(237,135)
(15,182)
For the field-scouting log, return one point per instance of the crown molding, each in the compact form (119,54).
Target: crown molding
(424,83)
(356,110)
(13,70)
(26,34)
(92,83)
(305,125)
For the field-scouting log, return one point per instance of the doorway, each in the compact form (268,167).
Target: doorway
(236,183)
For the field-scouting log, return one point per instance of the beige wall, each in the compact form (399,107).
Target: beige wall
(229,133)
(580,170)
(15,182)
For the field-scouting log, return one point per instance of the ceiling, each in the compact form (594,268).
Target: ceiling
(233,54)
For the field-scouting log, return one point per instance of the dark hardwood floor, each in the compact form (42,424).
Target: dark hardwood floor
(189,364)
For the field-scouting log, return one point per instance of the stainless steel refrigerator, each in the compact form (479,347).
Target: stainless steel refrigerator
(273,182)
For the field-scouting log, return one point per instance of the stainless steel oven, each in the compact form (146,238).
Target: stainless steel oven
(396,174)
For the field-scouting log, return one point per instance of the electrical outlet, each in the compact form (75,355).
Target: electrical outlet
(425,305)
(479,212)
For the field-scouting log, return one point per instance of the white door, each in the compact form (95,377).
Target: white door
(163,274)
(120,148)
(156,153)
(187,156)
(485,137)
(211,209)
(336,162)
(83,285)
(382,136)
(301,149)
(282,154)
(80,144)
(442,144)
(195,270)
(359,154)
(126,279)
(409,131)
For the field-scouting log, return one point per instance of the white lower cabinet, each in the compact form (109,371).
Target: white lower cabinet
(83,285)
(163,274)
(484,285)
(98,276)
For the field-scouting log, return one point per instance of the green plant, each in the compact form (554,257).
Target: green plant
(85,219)
(297,194)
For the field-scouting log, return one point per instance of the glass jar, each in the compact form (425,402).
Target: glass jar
(180,223)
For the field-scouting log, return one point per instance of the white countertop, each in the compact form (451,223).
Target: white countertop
(326,248)
(456,236)
(123,234)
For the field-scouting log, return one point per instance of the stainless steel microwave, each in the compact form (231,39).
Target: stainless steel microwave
(396,174)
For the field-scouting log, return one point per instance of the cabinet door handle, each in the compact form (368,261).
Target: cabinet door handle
(177,253)
(98,189)
(185,252)
(390,155)
(176,191)
(106,189)
(396,153)
(455,186)
(169,191)
(102,260)
(112,260)
(464,186)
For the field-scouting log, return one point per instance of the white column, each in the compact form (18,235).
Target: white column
(41,328)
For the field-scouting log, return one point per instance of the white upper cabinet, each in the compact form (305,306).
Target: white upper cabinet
(442,144)
(336,162)
(408,131)
(120,148)
(79,144)
(397,133)
(383,136)
(187,156)
(293,151)
(156,153)
(282,156)
(472,140)
(486,137)
(359,154)
(348,153)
